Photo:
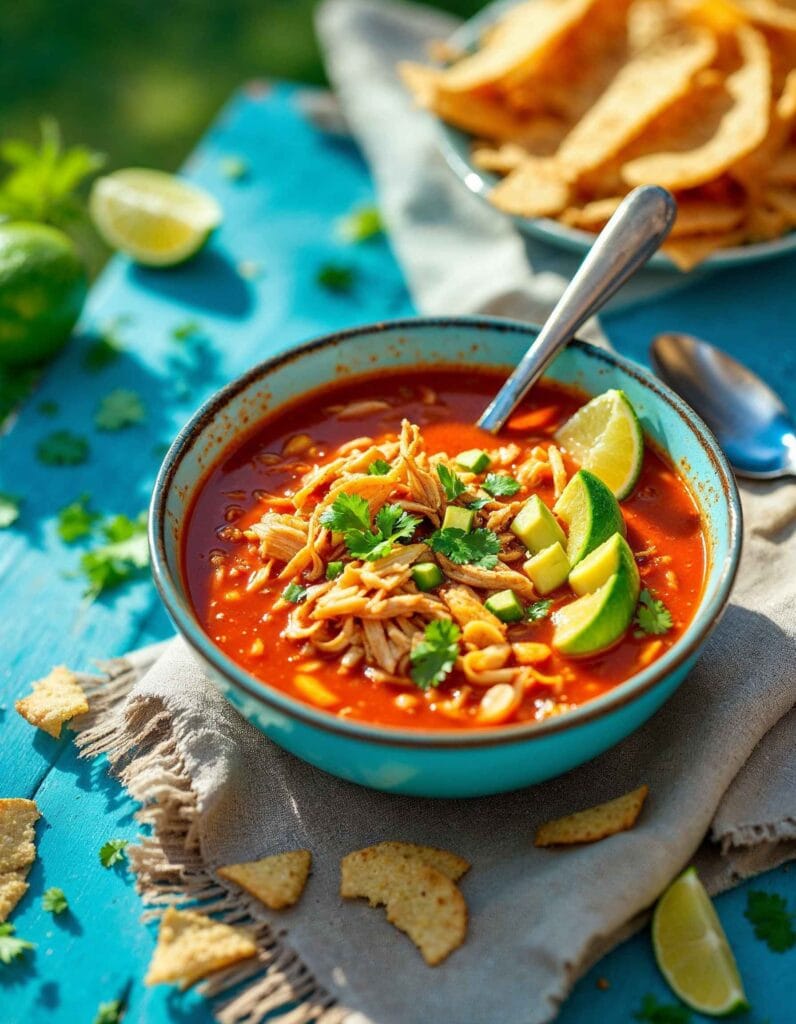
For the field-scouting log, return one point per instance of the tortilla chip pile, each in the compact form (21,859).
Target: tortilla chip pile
(576,102)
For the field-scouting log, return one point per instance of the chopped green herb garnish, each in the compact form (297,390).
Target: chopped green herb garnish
(379,468)
(769,916)
(101,353)
(54,900)
(10,946)
(361,224)
(480,547)
(336,277)
(118,409)
(110,565)
(350,515)
(500,485)
(294,593)
(185,330)
(76,520)
(478,503)
(113,852)
(62,448)
(653,1012)
(9,509)
(452,482)
(539,610)
(334,569)
(48,408)
(110,1013)
(652,618)
(234,167)
(434,657)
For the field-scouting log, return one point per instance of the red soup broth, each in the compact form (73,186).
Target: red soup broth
(663,529)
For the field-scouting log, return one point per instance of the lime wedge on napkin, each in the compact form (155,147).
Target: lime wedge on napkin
(692,950)
(155,218)
(604,436)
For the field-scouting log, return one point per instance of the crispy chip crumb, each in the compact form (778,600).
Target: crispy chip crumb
(190,946)
(17,836)
(276,881)
(594,823)
(12,888)
(450,864)
(54,700)
(419,899)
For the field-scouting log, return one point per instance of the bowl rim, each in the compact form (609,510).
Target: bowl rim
(177,603)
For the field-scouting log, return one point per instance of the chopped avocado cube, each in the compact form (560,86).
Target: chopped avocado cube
(536,526)
(333,570)
(612,556)
(549,569)
(506,606)
(458,518)
(474,461)
(427,575)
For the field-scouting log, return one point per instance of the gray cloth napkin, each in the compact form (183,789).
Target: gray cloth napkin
(718,757)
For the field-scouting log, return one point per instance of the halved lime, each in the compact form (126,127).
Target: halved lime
(596,621)
(692,950)
(605,437)
(613,555)
(155,218)
(590,512)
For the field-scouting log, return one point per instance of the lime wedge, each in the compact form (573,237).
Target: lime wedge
(692,950)
(605,437)
(590,512)
(155,218)
(596,621)
(614,555)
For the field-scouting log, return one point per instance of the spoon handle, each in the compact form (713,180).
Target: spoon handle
(631,236)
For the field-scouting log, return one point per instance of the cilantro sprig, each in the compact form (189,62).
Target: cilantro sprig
(361,225)
(119,409)
(500,485)
(452,482)
(379,467)
(54,900)
(76,520)
(539,610)
(434,657)
(653,1012)
(652,617)
(336,277)
(350,515)
(11,947)
(768,914)
(123,556)
(294,593)
(479,548)
(62,448)
(113,852)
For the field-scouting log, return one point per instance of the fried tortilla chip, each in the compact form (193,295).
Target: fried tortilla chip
(190,946)
(768,13)
(690,250)
(705,217)
(276,881)
(17,835)
(12,888)
(419,899)
(783,169)
(594,823)
(450,864)
(537,188)
(644,87)
(54,700)
(591,216)
(783,201)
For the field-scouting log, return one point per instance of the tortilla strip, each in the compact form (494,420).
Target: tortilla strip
(768,13)
(687,252)
(537,188)
(783,169)
(784,201)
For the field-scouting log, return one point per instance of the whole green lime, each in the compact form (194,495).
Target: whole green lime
(42,289)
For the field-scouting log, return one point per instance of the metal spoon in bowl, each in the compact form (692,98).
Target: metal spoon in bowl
(635,231)
(750,421)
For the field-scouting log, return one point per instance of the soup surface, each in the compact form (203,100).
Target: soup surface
(302,553)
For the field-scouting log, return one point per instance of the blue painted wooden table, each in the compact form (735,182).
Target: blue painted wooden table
(252,293)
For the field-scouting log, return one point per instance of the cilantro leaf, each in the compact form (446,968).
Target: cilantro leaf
(76,520)
(452,482)
(773,923)
(349,512)
(500,485)
(334,569)
(9,509)
(481,547)
(62,448)
(653,1012)
(106,346)
(186,330)
(110,1012)
(126,553)
(11,947)
(336,277)
(54,900)
(434,657)
(379,468)
(539,610)
(652,617)
(361,225)
(350,515)
(478,503)
(118,409)
(113,852)
(294,593)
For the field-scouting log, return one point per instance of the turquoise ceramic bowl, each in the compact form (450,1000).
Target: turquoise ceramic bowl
(449,764)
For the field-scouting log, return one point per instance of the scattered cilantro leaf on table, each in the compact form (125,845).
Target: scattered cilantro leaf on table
(186,330)
(119,409)
(48,408)
(539,610)
(76,520)
(62,448)
(500,485)
(9,509)
(15,385)
(379,468)
(479,548)
(336,277)
(653,1012)
(11,947)
(110,1012)
(768,914)
(113,852)
(294,593)
(54,900)
(106,347)
(434,657)
(361,224)
(452,482)
(109,565)
(652,617)
(234,168)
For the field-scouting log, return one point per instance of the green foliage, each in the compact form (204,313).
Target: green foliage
(9,509)
(539,610)
(119,409)
(653,1012)
(773,923)
(481,547)
(336,277)
(452,482)
(113,852)
(54,900)
(294,593)
(434,657)
(110,1013)
(361,224)
(62,448)
(500,485)
(379,468)
(350,515)
(652,617)
(11,948)
(125,554)
(76,520)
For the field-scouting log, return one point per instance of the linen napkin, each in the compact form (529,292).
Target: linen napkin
(718,757)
